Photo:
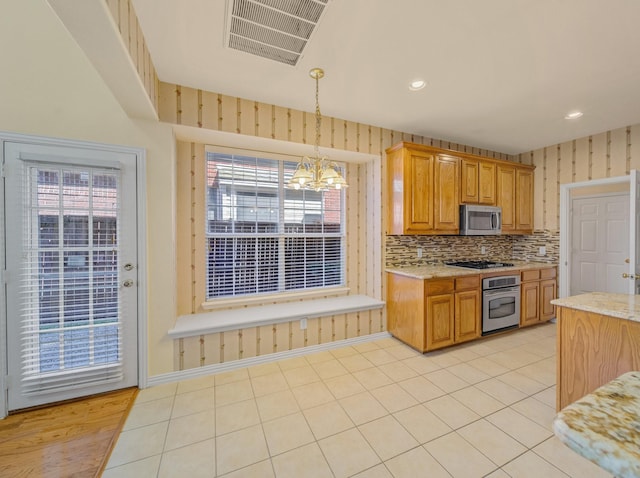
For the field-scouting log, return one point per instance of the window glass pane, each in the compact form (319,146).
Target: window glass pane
(76,288)
(105,286)
(265,238)
(49,289)
(313,262)
(238,266)
(75,321)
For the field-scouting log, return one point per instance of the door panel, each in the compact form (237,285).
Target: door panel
(599,243)
(71,240)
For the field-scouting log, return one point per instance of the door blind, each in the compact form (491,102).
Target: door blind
(70,315)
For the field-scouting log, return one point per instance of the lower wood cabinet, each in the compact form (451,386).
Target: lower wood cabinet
(468,315)
(433,313)
(538,288)
(440,321)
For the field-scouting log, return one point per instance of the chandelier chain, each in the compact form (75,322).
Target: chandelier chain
(318,115)
(317,173)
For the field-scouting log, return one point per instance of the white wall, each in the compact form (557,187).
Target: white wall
(49,88)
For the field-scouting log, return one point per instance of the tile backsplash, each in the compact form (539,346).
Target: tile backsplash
(527,248)
(403,250)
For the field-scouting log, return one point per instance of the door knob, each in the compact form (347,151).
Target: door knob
(128,266)
(626,261)
(128,283)
(630,276)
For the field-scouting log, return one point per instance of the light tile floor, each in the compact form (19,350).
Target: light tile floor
(378,409)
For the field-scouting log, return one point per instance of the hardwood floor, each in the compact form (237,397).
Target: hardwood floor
(72,439)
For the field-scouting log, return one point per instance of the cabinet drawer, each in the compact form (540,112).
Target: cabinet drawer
(439,286)
(471,282)
(548,273)
(530,275)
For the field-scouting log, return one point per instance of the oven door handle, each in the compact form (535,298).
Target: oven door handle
(504,290)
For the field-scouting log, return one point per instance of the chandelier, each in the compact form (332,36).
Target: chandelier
(317,173)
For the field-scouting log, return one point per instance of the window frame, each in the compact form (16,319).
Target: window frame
(281,235)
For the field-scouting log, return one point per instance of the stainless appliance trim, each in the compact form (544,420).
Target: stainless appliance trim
(493,227)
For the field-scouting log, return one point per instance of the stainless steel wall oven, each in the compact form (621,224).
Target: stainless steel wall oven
(500,303)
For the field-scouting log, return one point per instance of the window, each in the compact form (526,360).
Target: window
(263,238)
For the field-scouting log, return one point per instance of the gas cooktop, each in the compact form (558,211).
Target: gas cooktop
(478,264)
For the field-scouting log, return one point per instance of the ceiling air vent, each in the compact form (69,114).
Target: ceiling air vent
(275,29)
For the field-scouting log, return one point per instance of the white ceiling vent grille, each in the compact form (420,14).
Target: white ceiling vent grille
(274,29)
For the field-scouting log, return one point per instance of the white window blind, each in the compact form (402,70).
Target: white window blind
(265,238)
(71,329)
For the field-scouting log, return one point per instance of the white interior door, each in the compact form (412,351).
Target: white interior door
(71,271)
(599,243)
(633,260)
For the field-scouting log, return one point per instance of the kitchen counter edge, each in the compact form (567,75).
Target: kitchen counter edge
(622,306)
(442,271)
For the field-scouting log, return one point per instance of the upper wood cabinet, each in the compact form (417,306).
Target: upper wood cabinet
(426,186)
(423,190)
(506,196)
(446,207)
(514,190)
(477,181)
(524,200)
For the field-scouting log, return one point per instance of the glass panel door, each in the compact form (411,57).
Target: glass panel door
(71,304)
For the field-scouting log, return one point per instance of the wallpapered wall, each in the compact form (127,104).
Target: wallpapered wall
(126,20)
(609,154)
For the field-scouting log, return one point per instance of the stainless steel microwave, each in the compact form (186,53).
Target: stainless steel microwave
(478,220)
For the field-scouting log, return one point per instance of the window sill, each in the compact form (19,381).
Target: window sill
(255,316)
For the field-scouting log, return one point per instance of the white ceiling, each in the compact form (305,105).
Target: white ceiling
(501,73)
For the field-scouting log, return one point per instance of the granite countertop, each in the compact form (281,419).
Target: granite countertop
(438,270)
(623,306)
(604,427)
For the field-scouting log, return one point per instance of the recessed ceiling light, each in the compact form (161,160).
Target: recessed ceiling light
(416,85)
(573,115)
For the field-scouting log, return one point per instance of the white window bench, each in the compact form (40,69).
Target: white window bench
(255,316)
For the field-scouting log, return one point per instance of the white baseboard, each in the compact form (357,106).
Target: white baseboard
(247,362)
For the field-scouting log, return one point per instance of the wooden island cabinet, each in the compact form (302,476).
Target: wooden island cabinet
(598,339)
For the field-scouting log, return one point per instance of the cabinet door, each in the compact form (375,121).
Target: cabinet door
(524,201)
(467,315)
(506,196)
(469,180)
(418,198)
(547,294)
(487,183)
(440,321)
(410,191)
(530,303)
(446,212)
